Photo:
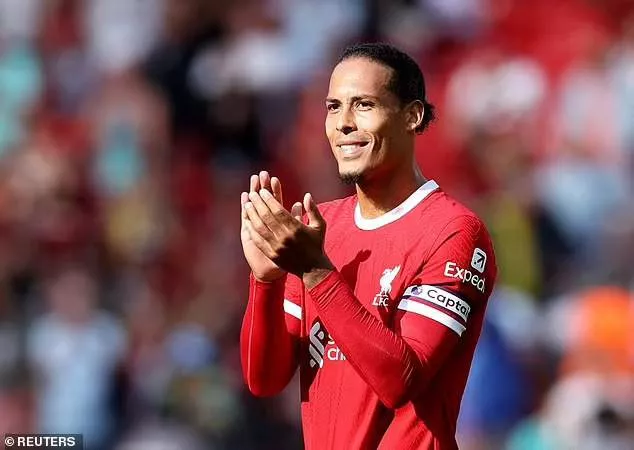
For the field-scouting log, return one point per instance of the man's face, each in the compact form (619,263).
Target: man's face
(365,124)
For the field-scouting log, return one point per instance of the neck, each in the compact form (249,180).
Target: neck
(377,197)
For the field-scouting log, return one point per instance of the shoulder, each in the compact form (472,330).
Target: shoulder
(456,234)
(462,248)
(447,208)
(446,216)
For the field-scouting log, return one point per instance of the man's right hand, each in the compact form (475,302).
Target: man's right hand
(262,267)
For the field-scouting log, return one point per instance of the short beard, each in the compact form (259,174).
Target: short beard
(351,179)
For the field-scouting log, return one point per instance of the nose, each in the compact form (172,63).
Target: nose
(346,123)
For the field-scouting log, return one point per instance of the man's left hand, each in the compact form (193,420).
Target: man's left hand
(283,238)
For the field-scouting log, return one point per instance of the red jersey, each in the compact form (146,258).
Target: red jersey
(384,344)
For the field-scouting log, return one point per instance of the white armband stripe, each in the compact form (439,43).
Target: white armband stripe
(432,313)
(293,309)
(440,297)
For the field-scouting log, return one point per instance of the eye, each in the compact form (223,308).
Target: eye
(331,107)
(364,105)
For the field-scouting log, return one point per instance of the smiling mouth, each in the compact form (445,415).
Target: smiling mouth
(353,149)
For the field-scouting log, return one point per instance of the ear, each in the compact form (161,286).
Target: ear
(414,113)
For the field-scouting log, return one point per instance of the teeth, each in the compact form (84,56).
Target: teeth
(349,148)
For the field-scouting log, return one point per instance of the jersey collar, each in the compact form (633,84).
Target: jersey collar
(408,204)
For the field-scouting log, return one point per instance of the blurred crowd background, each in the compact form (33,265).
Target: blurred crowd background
(128,129)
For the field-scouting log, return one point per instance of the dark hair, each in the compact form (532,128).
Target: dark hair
(407,82)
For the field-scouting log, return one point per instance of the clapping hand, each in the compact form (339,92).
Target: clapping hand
(276,240)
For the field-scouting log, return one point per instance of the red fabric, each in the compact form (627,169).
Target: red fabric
(268,350)
(408,371)
(376,372)
(389,366)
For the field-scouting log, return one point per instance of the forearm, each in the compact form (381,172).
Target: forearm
(379,355)
(268,351)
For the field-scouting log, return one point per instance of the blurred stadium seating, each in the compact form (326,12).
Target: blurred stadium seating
(129,128)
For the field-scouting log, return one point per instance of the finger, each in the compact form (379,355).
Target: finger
(256,221)
(315,218)
(296,211)
(265,215)
(254,183)
(265,180)
(259,241)
(276,188)
(244,198)
(276,208)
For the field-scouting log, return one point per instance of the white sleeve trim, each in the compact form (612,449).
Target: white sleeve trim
(293,309)
(432,313)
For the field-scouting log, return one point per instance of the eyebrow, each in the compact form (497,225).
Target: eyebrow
(356,98)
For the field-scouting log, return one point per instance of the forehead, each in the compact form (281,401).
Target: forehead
(358,77)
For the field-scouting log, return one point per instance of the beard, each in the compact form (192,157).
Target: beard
(351,179)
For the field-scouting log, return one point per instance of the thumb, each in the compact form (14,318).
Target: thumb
(315,219)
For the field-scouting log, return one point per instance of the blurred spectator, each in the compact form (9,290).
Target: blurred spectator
(590,108)
(121,34)
(20,85)
(602,416)
(75,350)
(19,21)
(165,437)
(581,210)
(495,91)
(129,132)
(623,78)
(147,366)
(463,19)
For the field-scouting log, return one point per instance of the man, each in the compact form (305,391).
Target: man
(381,311)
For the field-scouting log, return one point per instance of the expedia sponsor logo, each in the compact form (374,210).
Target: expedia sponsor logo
(442,298)
(465,275)
(479,260)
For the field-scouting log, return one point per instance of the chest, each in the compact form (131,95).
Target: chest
(378,270)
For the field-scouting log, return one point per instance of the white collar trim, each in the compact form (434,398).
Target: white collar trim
(410,203)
